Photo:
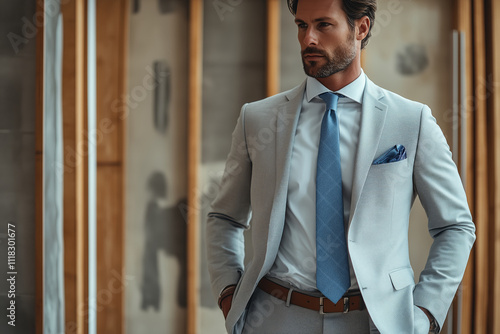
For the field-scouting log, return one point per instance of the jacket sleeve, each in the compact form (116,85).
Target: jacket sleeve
(229,215)
(440,190)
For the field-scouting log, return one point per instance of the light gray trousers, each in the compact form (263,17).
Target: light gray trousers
(270,315)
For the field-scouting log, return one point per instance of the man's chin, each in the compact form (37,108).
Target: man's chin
(312,72)
(311,69)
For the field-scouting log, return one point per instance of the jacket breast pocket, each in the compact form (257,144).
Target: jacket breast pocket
(389,179)
(390,171)
(384,180)
(386,196)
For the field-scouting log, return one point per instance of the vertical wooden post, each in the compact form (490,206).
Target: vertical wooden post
(494,109)
(463,22)
(273,47)
(75,169)
(194,153)
(40,76)
(478,165)
(111,114)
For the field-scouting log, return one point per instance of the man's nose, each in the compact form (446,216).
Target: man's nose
(310,37)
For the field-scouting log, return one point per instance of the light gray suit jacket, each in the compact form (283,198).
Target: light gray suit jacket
(253,194)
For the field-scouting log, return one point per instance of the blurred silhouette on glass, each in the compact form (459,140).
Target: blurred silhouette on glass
(165,230)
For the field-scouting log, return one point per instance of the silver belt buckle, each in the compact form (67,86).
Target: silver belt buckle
(321,300)
(346,304)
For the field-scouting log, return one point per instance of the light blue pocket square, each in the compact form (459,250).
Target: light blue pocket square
(397,153)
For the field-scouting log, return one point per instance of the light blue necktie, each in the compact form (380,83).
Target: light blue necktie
(332,272)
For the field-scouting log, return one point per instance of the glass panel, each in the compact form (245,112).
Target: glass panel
(156,180)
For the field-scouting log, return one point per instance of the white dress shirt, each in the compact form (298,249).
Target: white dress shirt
(296,259)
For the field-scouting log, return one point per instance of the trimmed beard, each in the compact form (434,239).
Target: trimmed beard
(341,59)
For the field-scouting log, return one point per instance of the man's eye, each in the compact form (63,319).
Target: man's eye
(324,24)
(302,25)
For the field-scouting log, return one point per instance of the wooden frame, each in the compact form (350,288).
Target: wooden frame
(111,50)
(110,160)
(39,261)
(273,47)
(463,22)
(494,140)
(75,174)
(479,165)
(194,149)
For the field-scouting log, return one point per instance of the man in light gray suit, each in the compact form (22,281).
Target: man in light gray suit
(378,151)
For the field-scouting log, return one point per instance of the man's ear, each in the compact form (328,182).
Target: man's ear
(362,27)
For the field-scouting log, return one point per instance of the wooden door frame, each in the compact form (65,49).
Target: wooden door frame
(463,23)
(75,199)
(111,47)
(112,17)
(273,49)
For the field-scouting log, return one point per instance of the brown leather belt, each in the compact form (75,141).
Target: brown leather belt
(350,302)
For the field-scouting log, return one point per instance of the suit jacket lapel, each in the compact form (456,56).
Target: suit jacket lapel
(286,126)
(373,117)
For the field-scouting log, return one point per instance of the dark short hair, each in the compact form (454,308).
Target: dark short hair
(354,9)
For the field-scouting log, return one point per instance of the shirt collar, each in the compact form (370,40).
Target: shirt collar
(353,91)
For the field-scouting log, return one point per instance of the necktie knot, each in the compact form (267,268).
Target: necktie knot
(331,100)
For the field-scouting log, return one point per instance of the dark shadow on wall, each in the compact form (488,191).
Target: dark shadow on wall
(412,59)
(165,230)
